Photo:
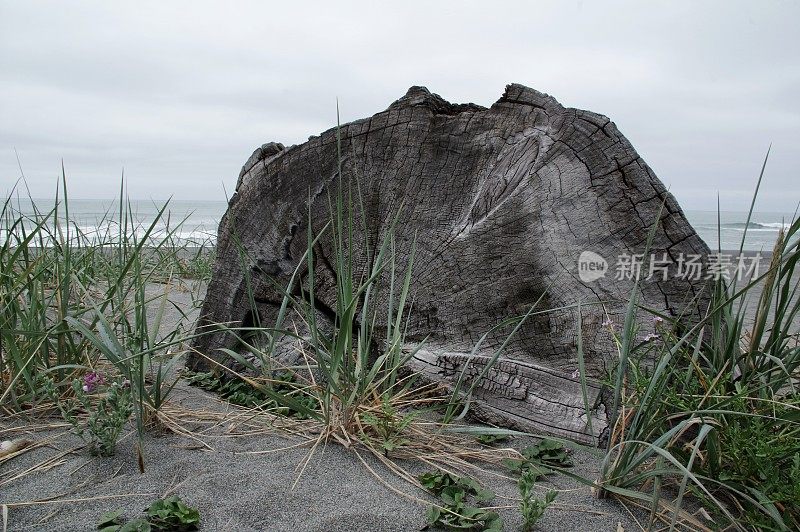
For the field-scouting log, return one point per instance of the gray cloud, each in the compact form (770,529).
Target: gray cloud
(179,93)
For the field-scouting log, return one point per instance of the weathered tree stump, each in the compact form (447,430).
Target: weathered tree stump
(502,203)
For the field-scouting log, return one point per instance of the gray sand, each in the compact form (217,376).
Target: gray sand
(238,491)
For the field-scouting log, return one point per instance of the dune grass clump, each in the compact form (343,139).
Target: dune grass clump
(74,304)
(716,416)
(352,379)
(352,373)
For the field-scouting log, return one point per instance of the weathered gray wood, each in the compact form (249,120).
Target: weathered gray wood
(521,395)
(502,202)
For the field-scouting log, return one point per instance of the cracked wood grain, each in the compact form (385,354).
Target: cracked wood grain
(501,202)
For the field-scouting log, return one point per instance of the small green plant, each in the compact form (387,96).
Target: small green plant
(386,426)
(243,392)
(541,459)
(233,390)
(172,514)
(108,408)
(456,512)
(492,439)
(168,515)
(113,522)
(531,507)
(436,482)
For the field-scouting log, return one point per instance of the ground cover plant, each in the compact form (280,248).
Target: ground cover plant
(241,392)
(169,514)
(531,507)
(459,497)
(106,416)
(543,458)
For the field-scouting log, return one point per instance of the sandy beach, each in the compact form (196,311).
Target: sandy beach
(242,474)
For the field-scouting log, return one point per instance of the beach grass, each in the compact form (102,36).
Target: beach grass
(711,410)
(74,304)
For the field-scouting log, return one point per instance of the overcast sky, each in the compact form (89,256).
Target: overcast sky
(180,93)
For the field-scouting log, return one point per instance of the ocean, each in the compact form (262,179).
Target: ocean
(726,234)
(201,219)
(191,223)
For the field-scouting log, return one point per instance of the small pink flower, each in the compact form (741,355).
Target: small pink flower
(92,380)
(575,374)
(607,322)
(652,336)
(658,319)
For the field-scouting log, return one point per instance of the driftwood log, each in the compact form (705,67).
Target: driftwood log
(503,204)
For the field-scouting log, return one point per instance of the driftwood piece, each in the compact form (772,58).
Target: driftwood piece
(502,203)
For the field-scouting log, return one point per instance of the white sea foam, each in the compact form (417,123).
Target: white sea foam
(94,222)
